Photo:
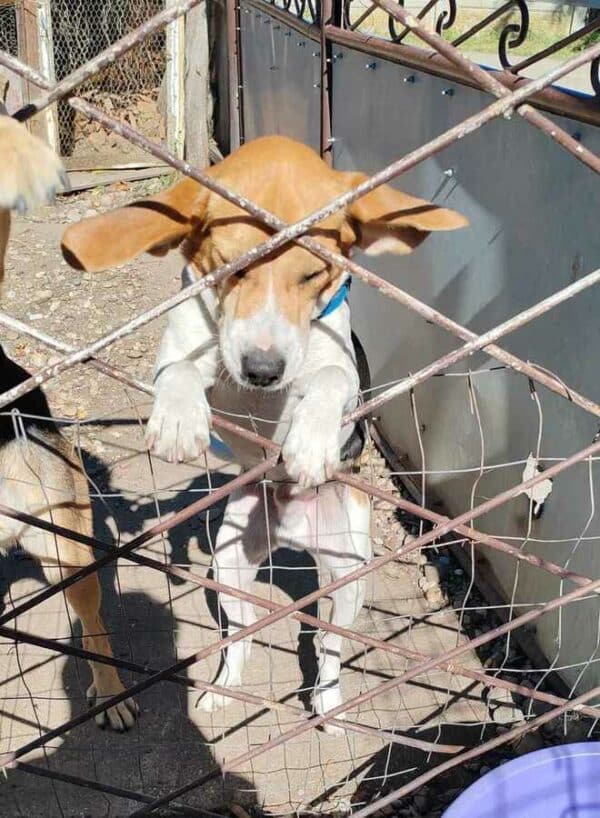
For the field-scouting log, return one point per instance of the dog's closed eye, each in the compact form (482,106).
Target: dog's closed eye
(311,276)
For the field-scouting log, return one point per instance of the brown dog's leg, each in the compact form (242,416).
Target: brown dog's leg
(84,597)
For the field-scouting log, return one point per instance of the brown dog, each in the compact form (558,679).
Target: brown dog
(40,473)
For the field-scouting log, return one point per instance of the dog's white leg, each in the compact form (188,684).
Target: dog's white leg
(311,450)
(179,426)
(240,548)
(343,546)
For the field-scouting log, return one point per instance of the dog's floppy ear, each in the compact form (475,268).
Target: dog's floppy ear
(153,225)
(388,221)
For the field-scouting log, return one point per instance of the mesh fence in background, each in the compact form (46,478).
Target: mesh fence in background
(8,30)
(129,88)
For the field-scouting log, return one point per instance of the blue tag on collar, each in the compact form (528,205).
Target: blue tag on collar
(337,300)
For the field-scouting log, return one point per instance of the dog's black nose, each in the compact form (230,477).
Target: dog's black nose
(262,368)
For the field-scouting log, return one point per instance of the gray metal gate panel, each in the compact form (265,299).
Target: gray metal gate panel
(280,76)
(533,229)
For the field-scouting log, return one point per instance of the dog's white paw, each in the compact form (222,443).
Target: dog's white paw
(31,172)
(324,700)
(121,717)
(311,450)
(179,426)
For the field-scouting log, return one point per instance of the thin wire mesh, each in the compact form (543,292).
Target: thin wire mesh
(436,668)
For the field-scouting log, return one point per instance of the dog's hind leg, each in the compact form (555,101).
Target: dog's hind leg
(342,546)
(240,548)
(84,598)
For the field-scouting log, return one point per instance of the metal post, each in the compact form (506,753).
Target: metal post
(234,68)
(325,20)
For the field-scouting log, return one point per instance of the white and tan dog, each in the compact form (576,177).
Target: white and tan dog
(272,345)
(40,473)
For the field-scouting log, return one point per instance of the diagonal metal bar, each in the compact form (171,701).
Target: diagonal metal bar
(358,573)
(385,687)
(367,640)
(250,476)
(108,789)
(481,342)
(392,736)
(489,83)
(511,735)
(124,377)
(292,232)
(106,57)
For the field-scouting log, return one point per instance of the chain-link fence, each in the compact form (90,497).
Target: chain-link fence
(129,89)
(8,30)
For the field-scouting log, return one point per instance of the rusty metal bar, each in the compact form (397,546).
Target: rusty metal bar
(478,537)
(291,232)
(477,343)
(551,100)
(233,693)
(358,573)
(367,640)
(510,735)
(243,479)
(488,82)
(125,378)
(384,687)
(106,57)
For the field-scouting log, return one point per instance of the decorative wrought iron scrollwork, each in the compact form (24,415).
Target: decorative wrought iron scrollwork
(510,19)
(447,18)
(514,34)
(595,76)
(394,33)
(314,8)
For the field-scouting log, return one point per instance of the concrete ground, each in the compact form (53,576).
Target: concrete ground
(153,621)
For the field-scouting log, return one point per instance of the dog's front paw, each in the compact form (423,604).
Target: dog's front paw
(311,450)
(31,172)
(179,426)
(121,717)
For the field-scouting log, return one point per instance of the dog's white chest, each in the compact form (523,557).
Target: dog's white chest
(268,414)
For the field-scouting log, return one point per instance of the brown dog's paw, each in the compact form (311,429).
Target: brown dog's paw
(30,172)
(121,717)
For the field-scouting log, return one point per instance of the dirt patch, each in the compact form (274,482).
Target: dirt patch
(42,290)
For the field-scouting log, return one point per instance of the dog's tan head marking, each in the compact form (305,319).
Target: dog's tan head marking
(265,310)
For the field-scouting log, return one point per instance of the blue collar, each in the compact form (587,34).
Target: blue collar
(337,299)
